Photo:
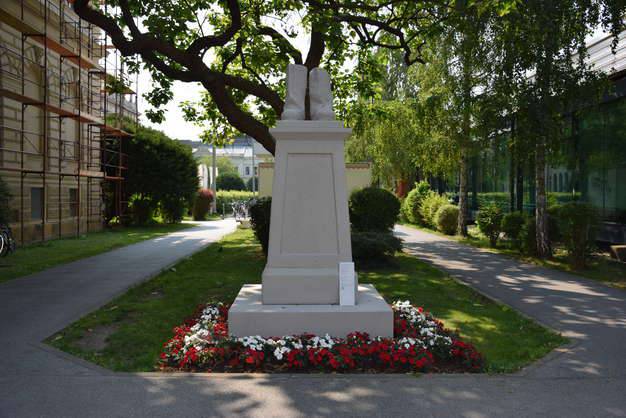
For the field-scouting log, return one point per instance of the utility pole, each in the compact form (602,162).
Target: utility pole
(213,179)
(254,170)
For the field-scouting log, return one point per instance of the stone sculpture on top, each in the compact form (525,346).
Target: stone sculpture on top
(320,95)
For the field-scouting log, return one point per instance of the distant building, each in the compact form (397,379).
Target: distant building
(244,152)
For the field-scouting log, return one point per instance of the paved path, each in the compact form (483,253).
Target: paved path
(587,380)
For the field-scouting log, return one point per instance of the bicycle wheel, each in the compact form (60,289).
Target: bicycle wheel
(3,244)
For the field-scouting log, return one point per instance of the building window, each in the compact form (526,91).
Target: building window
(560,182)
(36,203)
(73,202)
(256,171)
(247,170)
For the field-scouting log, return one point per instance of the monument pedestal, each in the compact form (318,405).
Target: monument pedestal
(309,238)
(250,316)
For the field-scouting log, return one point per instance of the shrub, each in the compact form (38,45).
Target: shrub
(173,209)
(260,211)
(5,196)
(489,221)
(373,209)
(447,219)
(374,247)
(576,221)
(528,236)
(142,210)
(500,199)
(411,205)
(554,234)
(224,198)
(512,225)
(161,172)
(252,184)
(429,207)
(202,204)
(230,181)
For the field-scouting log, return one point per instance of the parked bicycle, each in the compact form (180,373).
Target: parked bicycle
(7,243)
(240,209)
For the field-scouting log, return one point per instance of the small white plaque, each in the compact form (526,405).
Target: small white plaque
(347,284)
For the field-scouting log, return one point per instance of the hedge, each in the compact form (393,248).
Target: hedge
(226,197)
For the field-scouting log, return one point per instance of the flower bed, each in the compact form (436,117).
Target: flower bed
(421,343)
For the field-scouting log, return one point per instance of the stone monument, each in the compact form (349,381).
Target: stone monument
(310,230)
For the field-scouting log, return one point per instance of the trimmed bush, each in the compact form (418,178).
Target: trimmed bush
(411,206)
(447,219)
(224,199)
(374,247)
(373,209)
(576,221)
(5,196)
(202,204)
(142,210)
(260,211)
(429,207)
(512,225)
(489,221)
(173,209)
(528,236)
(230,181)
(162,174)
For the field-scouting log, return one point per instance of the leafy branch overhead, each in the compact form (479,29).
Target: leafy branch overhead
(238,49)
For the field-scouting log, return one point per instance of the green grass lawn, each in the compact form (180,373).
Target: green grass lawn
(599,267)
(36,257)
(131,329)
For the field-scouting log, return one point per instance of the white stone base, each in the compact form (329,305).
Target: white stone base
(249,316)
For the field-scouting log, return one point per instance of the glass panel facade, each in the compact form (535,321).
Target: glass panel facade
(590,166)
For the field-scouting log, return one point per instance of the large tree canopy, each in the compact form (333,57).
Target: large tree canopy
(238,49)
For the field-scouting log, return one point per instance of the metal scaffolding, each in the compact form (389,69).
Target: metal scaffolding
(77,89)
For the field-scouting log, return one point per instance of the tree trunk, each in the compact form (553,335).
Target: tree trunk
(512,178)
(462,221)
(541,216)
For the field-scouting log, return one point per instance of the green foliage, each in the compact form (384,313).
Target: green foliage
(252,184)
(447,219)
(500,199)
(528,236)
(489,221)
(374,247)
(429,207)
(512,226)
(576,224)
(260,212)
(162,174)
(388,134)
(202,204)
(224,199)
(173,209)
(5,198)
(225,165)
(142,210)
(230,181)
(373,209)
(411,204)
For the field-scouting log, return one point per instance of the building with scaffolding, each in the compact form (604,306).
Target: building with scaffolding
(65,108)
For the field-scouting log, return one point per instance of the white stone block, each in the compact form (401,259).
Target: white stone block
(347,284)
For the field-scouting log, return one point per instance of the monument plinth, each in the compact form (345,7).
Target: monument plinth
(309,231)
(310,228)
